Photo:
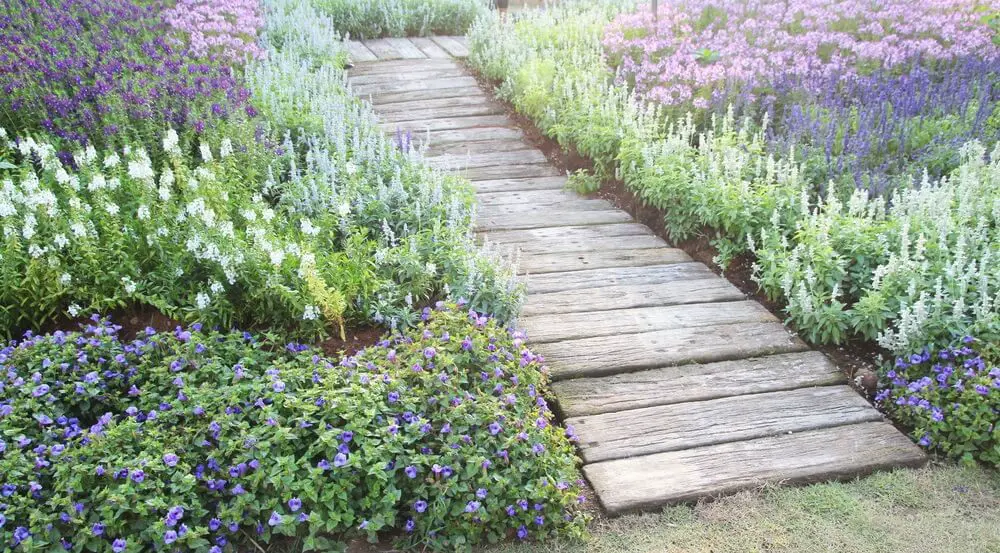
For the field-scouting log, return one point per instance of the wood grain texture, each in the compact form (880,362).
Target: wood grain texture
(403,76)
(399,66)
(702,423)
(383,49)
(664,276)
(623,256)
(467,136)
(537,239)
(491,159)
(411,86)
(406,49)
(429,48)
(575,203)
(842,452)
(623,353)
(684,383)
(510,171)
(628,296)
(531,219)
(532,197)
(359,53)
(504,185)
(475,147)
(471,100)
(454,47)
(570,326)
(378,99)
(402,116)
(575,245)
(448,123)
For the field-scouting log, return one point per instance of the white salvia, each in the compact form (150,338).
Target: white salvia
(112,160)
(171,142)
(128,285)
(344,209)
(226,148)
(142,212)
(36,251)
(206,152)
(78,229)
(277,256)
(73,310)
(62,177)
(90,154)
(60,240)
(202,301)
(216,287)
(268,214)
(3,133)
(97,182)
(65,279)
(308,228)
(311,313)
(111,208)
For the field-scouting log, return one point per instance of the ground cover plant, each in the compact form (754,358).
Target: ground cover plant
(200,440)
(295,214)
(399,18)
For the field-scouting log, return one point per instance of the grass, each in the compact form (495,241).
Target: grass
(941,508)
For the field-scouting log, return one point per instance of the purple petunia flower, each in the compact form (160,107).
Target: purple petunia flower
(411,471)
(472,506)
(481,493)
(393,397)
(522,532)
(420,506)
(170,536)
(97,529)
(275,519)
(340,460)
(118,545)
(294,504)
(170,459)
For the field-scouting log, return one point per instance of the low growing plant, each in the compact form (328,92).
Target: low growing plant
(202,440)
(950,398)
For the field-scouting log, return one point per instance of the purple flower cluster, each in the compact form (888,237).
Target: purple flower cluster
(87,71)
(950,398)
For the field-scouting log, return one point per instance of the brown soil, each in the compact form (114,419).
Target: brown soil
(857,358)
(357,339)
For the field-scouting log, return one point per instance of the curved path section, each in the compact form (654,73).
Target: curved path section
(677,386)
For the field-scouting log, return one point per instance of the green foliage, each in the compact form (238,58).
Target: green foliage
(400,18)
(949,398)
(583,182)
(191,438)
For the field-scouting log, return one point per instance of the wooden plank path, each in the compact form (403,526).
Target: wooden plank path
(677,385)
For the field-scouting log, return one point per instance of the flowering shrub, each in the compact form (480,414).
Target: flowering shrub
(227,30)
(950,398)
(912,267)
(106,72)
(696,47)
(196,440)
(375,18)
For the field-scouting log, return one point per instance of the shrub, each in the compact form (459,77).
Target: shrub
(199,439)
(950,398)
(398,18)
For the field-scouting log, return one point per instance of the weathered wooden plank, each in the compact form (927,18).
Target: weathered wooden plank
(450,123)
(702,423)
(525,238)
(574,203)
(621,353)
(398,66)
(471,100)
(476,147)
(525,156)
(406,49)
(552,217)
(841,452)
(510,184)
(429,48)
(663,276)
(402,76)
(383,49)
(557,262)
(534,197)
(359,53)
(562,326)
(405,116)
(468,136)
(518,171)
(452,46)
(628,296)
(578,245)
(684,383)
(412,86)
(380,99)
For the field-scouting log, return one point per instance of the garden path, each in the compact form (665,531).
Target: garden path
(677,385)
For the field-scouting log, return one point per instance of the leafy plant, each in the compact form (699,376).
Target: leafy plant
(205,440)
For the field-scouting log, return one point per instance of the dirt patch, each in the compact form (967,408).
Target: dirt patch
(356,340)
(857,359)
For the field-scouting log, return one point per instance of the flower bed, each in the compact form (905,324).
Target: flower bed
(193,439)
(377,18)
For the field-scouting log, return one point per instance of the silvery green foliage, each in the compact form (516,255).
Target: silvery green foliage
(918,268)
(376,18)
(345,164)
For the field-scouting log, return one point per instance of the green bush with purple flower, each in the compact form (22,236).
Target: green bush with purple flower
(949,398)
(200,440)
